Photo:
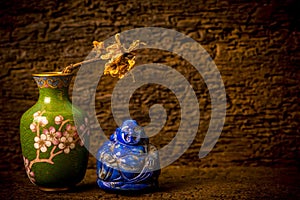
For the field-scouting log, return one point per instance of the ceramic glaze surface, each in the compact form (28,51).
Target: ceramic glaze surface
(128,161)
(52,146)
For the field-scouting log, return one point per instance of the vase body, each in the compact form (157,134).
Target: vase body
(53,136)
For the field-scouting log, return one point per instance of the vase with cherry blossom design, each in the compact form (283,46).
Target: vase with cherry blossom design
(54,134)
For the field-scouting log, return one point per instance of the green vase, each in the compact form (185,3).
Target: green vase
(53,136)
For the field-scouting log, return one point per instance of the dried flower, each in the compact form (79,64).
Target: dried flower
(98,46)
(120,59)
(119,66)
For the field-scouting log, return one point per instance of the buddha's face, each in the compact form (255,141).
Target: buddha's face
(130,133)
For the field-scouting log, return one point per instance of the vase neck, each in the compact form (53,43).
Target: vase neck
(53,88)
(53,96)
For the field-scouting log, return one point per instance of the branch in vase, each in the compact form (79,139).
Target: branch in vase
(120,59)
(72,67)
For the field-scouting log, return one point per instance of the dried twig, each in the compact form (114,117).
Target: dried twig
(120,59)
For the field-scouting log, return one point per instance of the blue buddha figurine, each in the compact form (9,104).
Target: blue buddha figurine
(128,161)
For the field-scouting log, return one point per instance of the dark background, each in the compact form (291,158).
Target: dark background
(255,45)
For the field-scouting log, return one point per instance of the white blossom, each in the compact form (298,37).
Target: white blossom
(58,119)
(66,144)
(41,143)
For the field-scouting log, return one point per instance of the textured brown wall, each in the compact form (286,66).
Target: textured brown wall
(254,44)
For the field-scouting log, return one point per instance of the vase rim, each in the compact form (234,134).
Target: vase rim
(53,74)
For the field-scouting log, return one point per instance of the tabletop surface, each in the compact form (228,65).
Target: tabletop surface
(176,183)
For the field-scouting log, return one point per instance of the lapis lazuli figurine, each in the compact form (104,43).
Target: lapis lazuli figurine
(128,161)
